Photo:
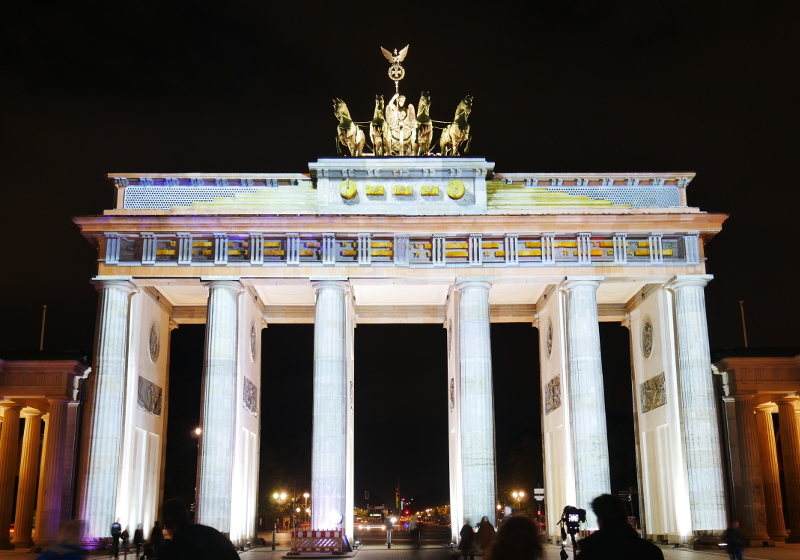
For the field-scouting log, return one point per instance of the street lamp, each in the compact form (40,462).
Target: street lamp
(518,496)
(306,495)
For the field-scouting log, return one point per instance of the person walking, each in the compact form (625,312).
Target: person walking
(467,538)
(615,539)
(413,528)
(389,526)
(486,534)
(734,539)
(156,538)
(516,539)
(138,539)
(116,535)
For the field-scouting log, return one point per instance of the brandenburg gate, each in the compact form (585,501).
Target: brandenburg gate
(367,239)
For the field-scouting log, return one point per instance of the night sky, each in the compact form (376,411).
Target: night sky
(88,88)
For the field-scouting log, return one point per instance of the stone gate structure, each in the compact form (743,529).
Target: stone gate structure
(413,240)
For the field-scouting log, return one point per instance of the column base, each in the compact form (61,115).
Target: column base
(779,538)
(757,542)
(791,539)
(27,543)
(6,546)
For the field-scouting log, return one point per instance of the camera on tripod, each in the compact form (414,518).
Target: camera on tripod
(571,519)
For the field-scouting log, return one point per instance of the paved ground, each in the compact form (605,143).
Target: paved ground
(780,552)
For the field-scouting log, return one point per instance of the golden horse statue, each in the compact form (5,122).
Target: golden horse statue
(348,133)
(379,129)
(424,126)
(457,132)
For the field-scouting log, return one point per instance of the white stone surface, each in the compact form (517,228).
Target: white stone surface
(476,402)
(329,437)
(215,464)
(28,478)
(585,386)
(700,430)
(389,172)
(48,512)
(662,467)
(107,397)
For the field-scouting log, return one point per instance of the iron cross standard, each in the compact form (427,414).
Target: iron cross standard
(396,72)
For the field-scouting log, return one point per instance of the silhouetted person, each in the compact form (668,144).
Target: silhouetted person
(413,528)
(156,538)
(467,539)
(138,539)
(68,546)
(116,535)
(192,542)
(486,533)
(735,541)
(516,539)
(615,539)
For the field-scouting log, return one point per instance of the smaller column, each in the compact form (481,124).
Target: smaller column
(773,502)
(48,514)
(9,449)
(28,474)
(790,446)
(755,517)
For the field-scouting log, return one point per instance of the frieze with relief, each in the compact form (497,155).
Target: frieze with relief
(653,393)
(250,397)
(149,396)
(552,394)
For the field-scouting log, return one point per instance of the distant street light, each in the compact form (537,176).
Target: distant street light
(198,431)
(518,496)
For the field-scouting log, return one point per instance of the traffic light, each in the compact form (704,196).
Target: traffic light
(406,512)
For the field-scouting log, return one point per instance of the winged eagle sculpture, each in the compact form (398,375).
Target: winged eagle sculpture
(395,58)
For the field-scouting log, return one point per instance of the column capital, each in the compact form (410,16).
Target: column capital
(116,282)
(687,280)
(223,283)
(11,405)
(766,407)
(788,399)
(342,284)
(571,282)
(33,413)
(465,283)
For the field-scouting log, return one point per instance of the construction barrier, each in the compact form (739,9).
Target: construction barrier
(317,541)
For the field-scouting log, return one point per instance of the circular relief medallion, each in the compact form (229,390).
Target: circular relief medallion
(548,341)
(154,342)
(647,337)
(347,189)
(455,189)
(253,341)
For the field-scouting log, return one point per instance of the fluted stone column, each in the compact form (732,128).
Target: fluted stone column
(773,502)
(48,514)
(28,477)
(699,413)
(587,406)
(104,441)
(790,447)
(218,414)
(754,518)
(9,453)
(329,435)
(477,407)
